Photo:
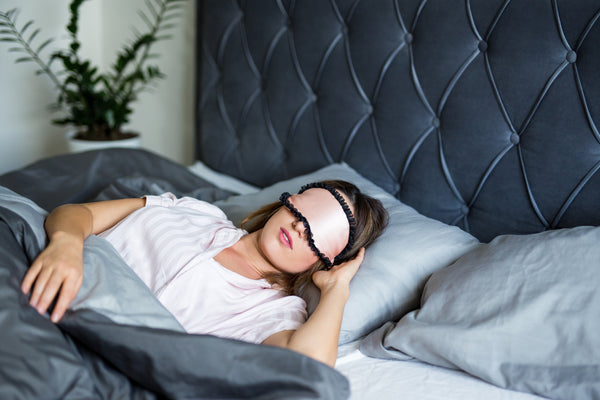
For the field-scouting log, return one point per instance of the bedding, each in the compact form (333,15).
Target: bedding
(382,379)
(221,180)
(520,312)
(111,345)
(390,279)
(105,174)
(481,114)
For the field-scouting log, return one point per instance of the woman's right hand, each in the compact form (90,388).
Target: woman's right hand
(58,268)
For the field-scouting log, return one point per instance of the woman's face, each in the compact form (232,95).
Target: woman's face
(284,243)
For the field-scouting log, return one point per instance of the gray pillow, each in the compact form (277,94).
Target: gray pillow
(522,312)
(396,266)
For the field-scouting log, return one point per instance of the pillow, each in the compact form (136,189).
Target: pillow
(522,312)
(221,180)
(390,280)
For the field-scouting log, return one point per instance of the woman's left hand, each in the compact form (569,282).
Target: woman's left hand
(339,276)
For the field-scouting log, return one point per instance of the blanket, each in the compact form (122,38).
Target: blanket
(145,355)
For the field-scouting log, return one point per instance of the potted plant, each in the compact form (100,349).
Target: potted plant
(98,104)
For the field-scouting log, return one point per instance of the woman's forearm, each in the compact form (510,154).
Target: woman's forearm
(318,337)
(75,220)
(91,218)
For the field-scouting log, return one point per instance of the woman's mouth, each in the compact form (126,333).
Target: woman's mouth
(285,238)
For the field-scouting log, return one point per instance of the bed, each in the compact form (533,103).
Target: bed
(473,121)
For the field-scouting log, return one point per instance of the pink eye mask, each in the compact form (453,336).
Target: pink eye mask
(327,218)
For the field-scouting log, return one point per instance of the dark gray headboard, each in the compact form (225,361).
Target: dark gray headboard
(480,113)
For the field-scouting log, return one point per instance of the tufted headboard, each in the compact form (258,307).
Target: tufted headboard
(480,113)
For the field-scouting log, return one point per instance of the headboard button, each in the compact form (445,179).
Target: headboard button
(515,139)
(408,37)
(571,56)
(483,46)
(435,122)
(464,209)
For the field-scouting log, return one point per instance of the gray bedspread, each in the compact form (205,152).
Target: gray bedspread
(89,355)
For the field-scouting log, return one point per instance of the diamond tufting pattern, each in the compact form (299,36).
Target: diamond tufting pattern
(480,113)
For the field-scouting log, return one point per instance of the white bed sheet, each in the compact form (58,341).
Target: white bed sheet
(378,379)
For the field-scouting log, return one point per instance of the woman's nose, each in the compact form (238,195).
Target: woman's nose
(298,227)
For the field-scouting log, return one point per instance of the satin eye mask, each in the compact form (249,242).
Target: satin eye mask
(327,218)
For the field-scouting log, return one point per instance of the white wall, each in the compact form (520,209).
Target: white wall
(165,118)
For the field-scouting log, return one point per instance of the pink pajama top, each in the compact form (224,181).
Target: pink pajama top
(170,244)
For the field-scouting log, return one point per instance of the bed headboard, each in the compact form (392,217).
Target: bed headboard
(480,113)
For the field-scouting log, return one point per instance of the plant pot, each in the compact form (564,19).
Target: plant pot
(79,145)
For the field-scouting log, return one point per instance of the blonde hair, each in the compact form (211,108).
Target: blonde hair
(371,219)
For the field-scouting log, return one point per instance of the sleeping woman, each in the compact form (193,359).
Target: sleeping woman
(216,278)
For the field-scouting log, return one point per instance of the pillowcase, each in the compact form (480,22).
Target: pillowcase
(522,312)
(223,181)
(393,273)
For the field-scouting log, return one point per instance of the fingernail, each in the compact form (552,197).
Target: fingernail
(54,318)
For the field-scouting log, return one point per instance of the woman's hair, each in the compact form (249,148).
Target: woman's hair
(371,219)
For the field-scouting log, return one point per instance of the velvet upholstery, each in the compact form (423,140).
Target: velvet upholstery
(480,113)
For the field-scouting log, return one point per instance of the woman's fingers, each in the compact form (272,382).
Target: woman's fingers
(351,266)
(39,286)
(56,274)
(339,274)
(47,283)
(50,292)
(30,276)
(69,290)
(356,261)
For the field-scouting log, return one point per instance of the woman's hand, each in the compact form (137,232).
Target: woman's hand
(318,337)
(339,276)
(58,268)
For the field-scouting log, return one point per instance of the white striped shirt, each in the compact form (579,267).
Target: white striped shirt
(170,244)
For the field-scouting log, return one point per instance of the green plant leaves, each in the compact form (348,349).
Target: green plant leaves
(43,45)
(99,102)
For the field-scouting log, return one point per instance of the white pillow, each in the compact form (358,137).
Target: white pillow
(220,180)
(391,278)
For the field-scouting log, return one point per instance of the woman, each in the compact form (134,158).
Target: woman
(218,279)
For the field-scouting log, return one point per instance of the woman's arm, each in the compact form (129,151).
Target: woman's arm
(318,337)
(59,267)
